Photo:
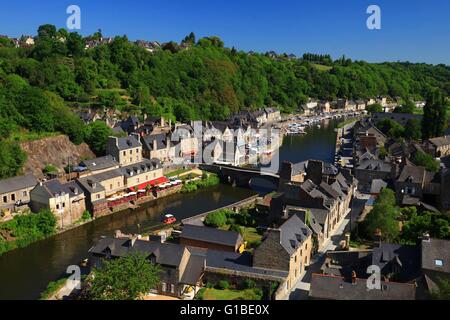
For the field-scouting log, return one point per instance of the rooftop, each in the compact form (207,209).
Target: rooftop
(436,255)
(212,235)
(17,183)
(337,288)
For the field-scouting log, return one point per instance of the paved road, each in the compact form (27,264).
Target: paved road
(301,289)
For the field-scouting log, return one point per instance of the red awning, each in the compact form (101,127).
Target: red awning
(151,183)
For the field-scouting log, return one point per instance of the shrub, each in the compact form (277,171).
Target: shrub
(223,284)
(210,285)
(200,294)
(248,283)
(216,219)
(236,228)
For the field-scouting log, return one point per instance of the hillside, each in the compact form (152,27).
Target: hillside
(53,150)
(41,86)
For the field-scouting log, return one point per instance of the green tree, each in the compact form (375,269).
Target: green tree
(373,108)
(384,216)
(12,159)
(407,107)
(434,121)
(125,278)
(413,129)
(425,160)
(391,128)
(96,136)
(216,219)
(442,292)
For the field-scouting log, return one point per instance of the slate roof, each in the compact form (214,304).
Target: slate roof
(100,163)
(160,138)
(165,253)
(435,249)
(415,174)
(129,142)
(138,168)
(194,267)
(293,232)
(440,141)
(377,185)
(299,167)
(343,263)
(407,257)
(17,183)
(55,187)
(239,262)
(90,184)
(374,165)
(211,235)
(337,288)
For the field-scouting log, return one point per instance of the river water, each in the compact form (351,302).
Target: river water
(25,272)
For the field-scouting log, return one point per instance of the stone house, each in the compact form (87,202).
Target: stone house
(157,146)
(287,248)
(65,200)
(416,184)
(372,169)
(439,147)
(182,267)
(272,115)
(141,174)
(126,150)
(15,191)
(100,164)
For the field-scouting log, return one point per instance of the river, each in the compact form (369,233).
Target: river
(25,272)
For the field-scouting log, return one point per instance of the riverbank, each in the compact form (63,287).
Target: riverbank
(26,272)
(19,232)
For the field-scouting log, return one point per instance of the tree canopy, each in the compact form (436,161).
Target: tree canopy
(125,278)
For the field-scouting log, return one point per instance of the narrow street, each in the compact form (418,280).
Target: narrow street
(301,289)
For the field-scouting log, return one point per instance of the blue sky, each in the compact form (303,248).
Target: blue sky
(413,30)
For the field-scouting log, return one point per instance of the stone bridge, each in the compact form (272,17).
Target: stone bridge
(240,177)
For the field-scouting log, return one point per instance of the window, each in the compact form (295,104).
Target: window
(5,199)
(124,153)
(131,159)
(172,288)
(57,207)
(137,150)
(137,180)
(131,151)
(98,196)
(25,193)
(118,183)
(110,186)
(163,287)
(439,263)
(13,197)
(64,204)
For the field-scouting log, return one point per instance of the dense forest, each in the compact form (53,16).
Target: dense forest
(41,86)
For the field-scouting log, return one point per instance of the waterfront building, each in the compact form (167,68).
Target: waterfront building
(65,200)
(15,192)
(126,150)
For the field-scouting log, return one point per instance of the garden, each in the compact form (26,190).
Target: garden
(244,222)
